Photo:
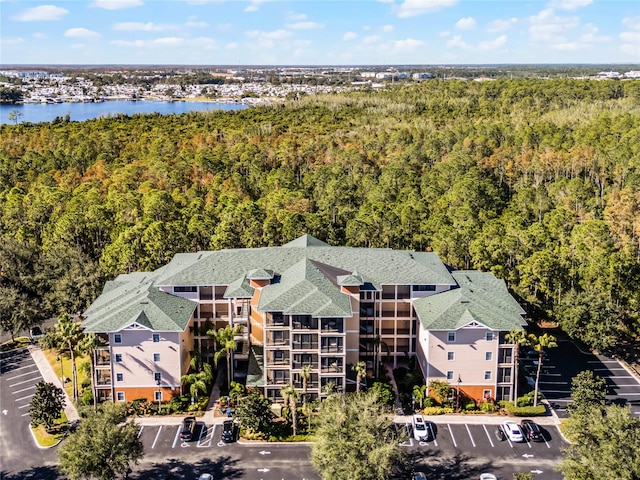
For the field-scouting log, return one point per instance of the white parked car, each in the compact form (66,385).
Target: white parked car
(419,427)
(205,476)
(512,431)
(488,476)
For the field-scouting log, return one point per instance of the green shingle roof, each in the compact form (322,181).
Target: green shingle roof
(481,297)
(306,241)
(138,301)
(255,370)
(241,288)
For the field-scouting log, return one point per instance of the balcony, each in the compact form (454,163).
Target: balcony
(387,331)
(310,324)
(304,345)
(103,358)
(103,378)
(331,349)
(298,365)
(332,326)
(278,360)
(403,331)
(277,379)
(332,368)
(277,340)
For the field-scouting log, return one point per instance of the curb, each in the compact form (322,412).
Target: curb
(43,447)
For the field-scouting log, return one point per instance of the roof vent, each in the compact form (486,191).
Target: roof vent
(199,257)
(144,302)
(464,301)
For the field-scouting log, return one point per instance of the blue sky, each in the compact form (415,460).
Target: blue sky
(308,32)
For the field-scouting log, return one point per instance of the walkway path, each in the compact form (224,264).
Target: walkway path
(50,376)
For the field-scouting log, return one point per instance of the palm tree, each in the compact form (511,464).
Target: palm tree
(290,395)
(420,393)
(64,337)
(305,375)
(361,370)
(377,343)
(88,346)
(196,359)
(539,344)
(518,338)
(226,345)
(198,382)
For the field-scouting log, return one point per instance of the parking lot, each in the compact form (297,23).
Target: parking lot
(18,378)
(566,361)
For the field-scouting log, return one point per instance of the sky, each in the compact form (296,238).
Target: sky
(327,32)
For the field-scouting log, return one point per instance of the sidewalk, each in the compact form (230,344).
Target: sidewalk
(49,376)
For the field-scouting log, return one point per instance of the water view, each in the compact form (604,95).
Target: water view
(44,112)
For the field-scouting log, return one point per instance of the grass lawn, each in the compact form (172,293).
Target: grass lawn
(53,358)
(9,345)
(45,439)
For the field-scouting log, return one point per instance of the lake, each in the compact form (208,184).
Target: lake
(44,112)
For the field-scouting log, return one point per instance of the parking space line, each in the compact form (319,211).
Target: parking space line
(140,431)
(545,441)
(26,381)
(24,389)
(602,361)
(24,374)
(470,436)
(22,398)
(157,435)
(507,437)
(488,436)
(527,440)
(25,414)
(22,368)
(452,437)
(608,369)
(207,439)
(409,434)
(24,406)
(201,432)
(175,440)
(433,434)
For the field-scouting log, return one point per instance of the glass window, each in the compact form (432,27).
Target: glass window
(118,357)
(157,377)
(184,289)
(156,357)
(489,336)
(451,336)
(117,338)
(120,396)
(450,375)
(156,337)
(158,396)
(488,355)
(487,375)
(486,394)
(424,288)
(450,356)
(120,377)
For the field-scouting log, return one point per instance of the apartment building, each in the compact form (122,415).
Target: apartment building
(305,303)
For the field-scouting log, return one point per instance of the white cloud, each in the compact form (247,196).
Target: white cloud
(7,41)
(371,39)
(630,38)
(349,36)
(500,25)
(279,34)
(631,22)
(457,41)
(590,35)
(40,36)
(407,45)
(296,17)
(305,26)
(385,1)
(158,42)
(444,34)
(116,4)
(195,24)
(569,4)
(302,43)
(141,27)
(493,44)
(413,8)
(81,33)
(231,46)
(41,13)
(387,28)
(254,5)
(548,28)
(466,23)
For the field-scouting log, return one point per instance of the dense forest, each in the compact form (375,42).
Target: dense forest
(537,181)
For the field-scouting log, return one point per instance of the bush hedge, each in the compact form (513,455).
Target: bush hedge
(511,409)
(437,410)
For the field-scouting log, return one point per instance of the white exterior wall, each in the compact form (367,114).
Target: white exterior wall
(138,367)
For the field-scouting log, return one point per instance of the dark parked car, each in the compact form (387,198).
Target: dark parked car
(531,430)
(188,429)
(499,433)
(228,431)
(35,334)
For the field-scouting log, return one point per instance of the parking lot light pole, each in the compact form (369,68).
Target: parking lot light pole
(59,357)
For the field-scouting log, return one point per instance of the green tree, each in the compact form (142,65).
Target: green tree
(518,338)
(14,116)
(305,375)
(254,412)
(355,439)
(603,445)
(442,390)
(198,381)
(384,392)
(88,346)
(290,395)
(46,405)
(361,372)
(419,394)
(588,391)
(104,446)
(540,344)
(225,340)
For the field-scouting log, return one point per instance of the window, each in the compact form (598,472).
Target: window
(451,336)
(424,288)
(487,375)
(118,358)
(156,357)
(158,396)
(156,337)
(450,375)
(185,289)
(488,356)
(120,396)
(489,336)
(157,377)
(119,377)
(450,356)
(117,338)
(486,394)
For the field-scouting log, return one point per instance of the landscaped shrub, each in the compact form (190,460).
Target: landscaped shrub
(526,400)
(437,410)
(487,407)
(470,406)
(530,411)
(430,402)
(87,397)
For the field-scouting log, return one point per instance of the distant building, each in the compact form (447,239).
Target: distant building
(421,76)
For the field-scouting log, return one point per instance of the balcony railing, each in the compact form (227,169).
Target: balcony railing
(298,365)
(277,380)
(402,331)
(387,331)
(310,384)
(278,361)
(332,369)
(279,322)
(305,325)
(304,345)
(103,379)
(331,349)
